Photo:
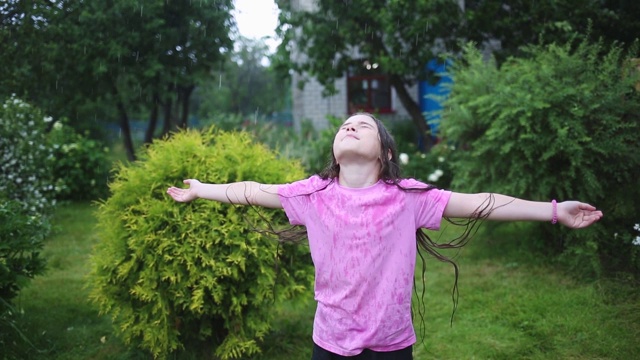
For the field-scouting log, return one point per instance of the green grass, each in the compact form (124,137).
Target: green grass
(510,307)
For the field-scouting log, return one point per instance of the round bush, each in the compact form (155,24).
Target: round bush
(201,277)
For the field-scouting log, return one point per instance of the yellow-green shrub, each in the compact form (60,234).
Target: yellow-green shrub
(195,278)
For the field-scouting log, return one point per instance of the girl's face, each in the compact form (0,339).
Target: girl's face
(357,140)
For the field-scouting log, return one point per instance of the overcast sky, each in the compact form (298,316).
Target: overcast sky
(257,18)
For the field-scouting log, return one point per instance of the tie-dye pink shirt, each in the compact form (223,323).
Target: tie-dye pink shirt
(363,246)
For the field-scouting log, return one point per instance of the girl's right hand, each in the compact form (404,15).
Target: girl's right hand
(185,195)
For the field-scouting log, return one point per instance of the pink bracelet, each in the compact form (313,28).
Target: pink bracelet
(554,219)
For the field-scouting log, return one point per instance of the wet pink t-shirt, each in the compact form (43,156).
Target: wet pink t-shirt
(363,246)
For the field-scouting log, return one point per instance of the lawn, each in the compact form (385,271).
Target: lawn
(510,307)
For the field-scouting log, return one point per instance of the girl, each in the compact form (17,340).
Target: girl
(362,223)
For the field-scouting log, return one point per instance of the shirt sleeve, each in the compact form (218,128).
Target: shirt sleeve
(429,205)
(295,198)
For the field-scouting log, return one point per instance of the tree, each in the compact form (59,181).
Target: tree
(518,23)
(401,36)
(129,56)
(243,84)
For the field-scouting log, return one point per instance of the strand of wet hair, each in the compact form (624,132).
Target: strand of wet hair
(292,234)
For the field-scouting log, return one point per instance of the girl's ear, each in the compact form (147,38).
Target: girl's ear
(389,155)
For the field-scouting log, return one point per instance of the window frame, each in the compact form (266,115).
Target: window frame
(369,75)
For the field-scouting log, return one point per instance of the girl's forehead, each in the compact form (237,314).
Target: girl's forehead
(360,118)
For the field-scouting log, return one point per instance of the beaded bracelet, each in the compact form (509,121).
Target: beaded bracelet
(554,219)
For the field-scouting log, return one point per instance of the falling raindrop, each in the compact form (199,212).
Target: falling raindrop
(255,117)
(141,7)
(220,81)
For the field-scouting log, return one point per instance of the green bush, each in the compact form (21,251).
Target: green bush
(80,165)
(26,195)
(433,167)
(24,157)
(561,123)
(315,147)
(22,237)
(197,278)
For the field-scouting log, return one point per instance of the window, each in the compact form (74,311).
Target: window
(368,89)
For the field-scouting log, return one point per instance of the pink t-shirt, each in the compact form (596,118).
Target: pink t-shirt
(363,246)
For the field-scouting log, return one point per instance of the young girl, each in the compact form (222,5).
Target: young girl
(363,221)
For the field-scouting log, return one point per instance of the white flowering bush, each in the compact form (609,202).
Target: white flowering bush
(432,167)
(636,240)
(26,194)
(25,156)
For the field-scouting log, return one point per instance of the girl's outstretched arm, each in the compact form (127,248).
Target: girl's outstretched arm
(573,214)
(243,193)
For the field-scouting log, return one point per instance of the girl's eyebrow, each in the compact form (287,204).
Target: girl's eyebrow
(362,122)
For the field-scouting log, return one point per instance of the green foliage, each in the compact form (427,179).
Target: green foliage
(78,59)
(80,165)
(549,21)
(561,123)
(223,121)
(26,195)
(400,38)
(23,163)
(433,167)
(242,84)
(200,275)
(22,236)
(315,147)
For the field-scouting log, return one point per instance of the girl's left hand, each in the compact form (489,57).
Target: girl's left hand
(577,215)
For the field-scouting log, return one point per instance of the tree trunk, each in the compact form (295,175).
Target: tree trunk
(153,119)
(125,128)
(424,132)
(185,95)
(167,107)
(126,132)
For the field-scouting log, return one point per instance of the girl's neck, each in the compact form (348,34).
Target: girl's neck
(358,175)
